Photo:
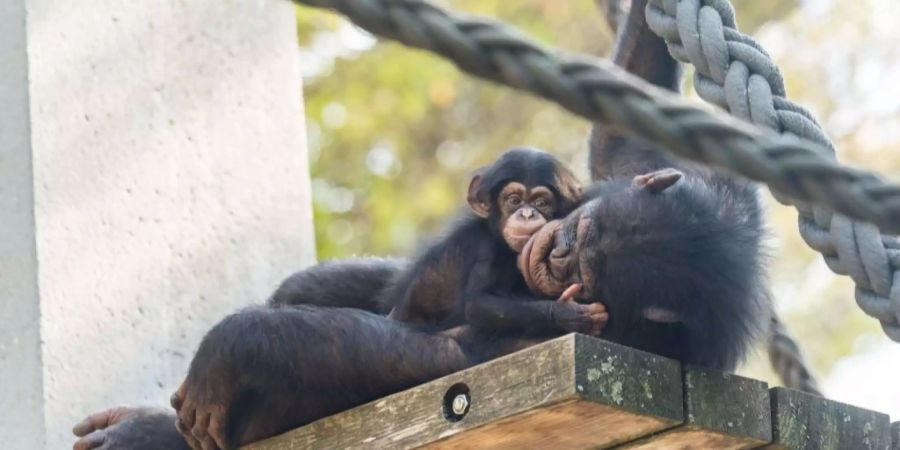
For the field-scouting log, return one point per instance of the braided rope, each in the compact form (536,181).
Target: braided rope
(601,92)
(734,72)
(614,11)
(788,362)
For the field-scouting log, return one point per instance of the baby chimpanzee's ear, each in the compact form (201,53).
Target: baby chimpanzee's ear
(477,197)
(657,181)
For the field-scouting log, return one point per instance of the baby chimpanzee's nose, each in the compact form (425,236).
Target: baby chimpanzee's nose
(527,213)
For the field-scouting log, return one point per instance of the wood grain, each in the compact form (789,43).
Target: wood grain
(806,422)
(722,411)
(570,392)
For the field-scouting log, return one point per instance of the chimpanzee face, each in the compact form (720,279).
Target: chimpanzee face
(523,210)
(521,192)
(573,250)
(563,253)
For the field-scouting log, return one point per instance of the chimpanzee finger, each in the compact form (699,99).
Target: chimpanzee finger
(600,320)
(182,428)
(597,329)
(97,421)
(91,441)
(217,428)
(186,414)
(200,424)
(177,398)
(201,431)
(569,294)
(185,432)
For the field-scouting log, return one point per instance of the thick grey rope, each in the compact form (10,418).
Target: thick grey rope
(788,361)
(601,92)
(734,72)
(614,11)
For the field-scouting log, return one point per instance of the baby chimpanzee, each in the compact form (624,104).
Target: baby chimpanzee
(470,277)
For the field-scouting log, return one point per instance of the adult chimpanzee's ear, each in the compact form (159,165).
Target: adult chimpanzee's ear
(660,315)
(657,181)
(568,186)
(476,197)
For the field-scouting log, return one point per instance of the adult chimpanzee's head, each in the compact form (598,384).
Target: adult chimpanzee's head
(617,223)
(522,191)
(664,253)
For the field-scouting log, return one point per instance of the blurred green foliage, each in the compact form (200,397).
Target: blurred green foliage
(394,133)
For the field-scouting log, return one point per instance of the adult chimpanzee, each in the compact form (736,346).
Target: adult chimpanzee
(469,277)
(674,254)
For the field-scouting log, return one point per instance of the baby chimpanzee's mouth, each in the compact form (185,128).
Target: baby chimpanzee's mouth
(534,265)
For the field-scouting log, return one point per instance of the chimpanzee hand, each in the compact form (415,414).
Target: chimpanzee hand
(200,416)
(131,428)
(571,316)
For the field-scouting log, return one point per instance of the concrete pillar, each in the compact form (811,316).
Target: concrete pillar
(153,178)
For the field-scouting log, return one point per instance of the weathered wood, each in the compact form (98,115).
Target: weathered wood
(803,421)
(895,435)
(572,392)
(722,411)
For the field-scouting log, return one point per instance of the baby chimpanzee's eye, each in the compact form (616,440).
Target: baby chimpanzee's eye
(514,200)
(541,203)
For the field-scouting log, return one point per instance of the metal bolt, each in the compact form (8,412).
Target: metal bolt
(460,404)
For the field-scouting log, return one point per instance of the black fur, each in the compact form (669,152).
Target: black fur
(346,283)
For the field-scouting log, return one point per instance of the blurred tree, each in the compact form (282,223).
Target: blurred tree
(394,133)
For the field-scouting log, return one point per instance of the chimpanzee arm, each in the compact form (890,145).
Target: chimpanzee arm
(639,51)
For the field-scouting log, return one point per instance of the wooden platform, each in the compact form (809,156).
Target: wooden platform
(578,392)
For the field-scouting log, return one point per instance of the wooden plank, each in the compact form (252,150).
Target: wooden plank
(722,411)
(807,422)
(895,435)
(572,392)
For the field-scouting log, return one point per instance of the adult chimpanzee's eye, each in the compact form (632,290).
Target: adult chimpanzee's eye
(514,200)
